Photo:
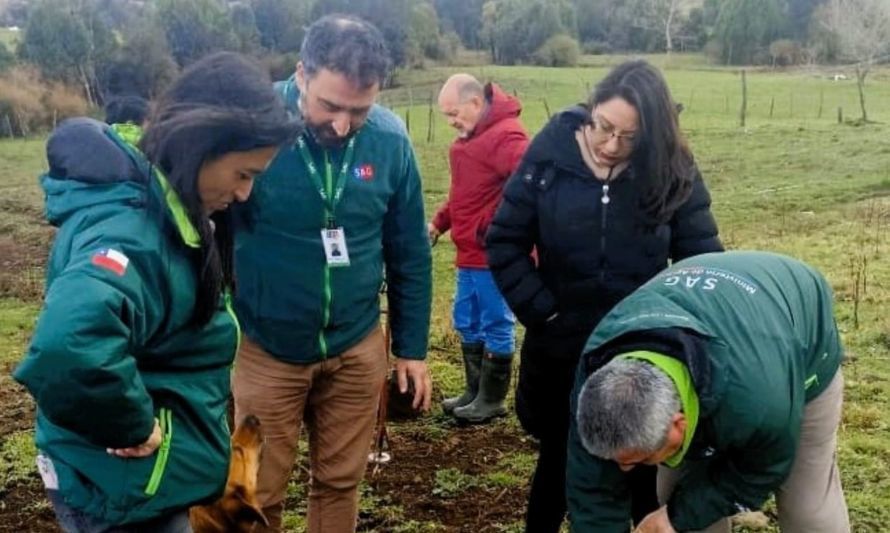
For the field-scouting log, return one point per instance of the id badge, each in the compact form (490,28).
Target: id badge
(334,241)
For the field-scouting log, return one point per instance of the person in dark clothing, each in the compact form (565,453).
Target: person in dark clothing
(607,193)
(127,108)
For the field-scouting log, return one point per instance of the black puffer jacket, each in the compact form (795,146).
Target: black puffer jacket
(591,254)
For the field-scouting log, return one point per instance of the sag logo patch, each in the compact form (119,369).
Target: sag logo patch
(363,172)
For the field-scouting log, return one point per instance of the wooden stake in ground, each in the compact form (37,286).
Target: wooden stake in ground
(380,452)
(744,108)
(429,123)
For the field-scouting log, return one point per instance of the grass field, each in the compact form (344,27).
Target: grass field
(9,38)
(793,181)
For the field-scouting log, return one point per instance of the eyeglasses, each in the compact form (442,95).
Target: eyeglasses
(604,132)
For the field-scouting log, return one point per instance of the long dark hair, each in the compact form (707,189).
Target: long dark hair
(221,104)
(661,158)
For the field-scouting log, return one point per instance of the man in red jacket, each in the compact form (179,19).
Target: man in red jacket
(489,145)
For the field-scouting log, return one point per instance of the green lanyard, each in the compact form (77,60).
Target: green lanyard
(330,200)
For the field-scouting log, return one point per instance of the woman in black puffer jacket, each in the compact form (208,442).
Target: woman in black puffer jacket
(607,194)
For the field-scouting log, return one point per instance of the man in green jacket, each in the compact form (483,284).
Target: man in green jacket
(724,370)
(333,217)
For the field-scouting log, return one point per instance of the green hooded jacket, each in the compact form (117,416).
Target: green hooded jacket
(288,299)
(114,348)
(757,333)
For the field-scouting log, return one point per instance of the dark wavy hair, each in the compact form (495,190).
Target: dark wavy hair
(223,103)
(661,158)
(126,108)
(346,45)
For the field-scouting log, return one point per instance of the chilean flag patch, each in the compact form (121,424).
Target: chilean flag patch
(112,260)
(364,172)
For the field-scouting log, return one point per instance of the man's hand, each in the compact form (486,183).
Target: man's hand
(434,233)
(419,375)
(143,450)
(656,522)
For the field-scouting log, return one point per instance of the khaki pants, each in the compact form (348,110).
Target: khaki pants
(811,500)
(337,398)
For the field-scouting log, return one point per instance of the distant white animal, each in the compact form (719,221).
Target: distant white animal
(839,77)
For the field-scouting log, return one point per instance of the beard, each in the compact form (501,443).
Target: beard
(325,135)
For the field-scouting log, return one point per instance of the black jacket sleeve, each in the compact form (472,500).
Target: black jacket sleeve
(693,227)
(511,237)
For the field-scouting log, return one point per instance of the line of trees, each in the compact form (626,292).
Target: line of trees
(136,46)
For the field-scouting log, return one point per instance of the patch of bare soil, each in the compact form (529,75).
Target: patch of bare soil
(16,405)
(410,479)
(21,269)
(24,509)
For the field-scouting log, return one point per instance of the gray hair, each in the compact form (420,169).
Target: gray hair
(346,45)
(469,88)
(628,404)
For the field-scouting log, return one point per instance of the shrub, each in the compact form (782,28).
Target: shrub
(62,101)
(596,48)
(785,52)
(558,51)
(28,105)
(444,48)
(280,66)
(7,58)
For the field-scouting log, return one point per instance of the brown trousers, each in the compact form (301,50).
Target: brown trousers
(811,500)
(337,398)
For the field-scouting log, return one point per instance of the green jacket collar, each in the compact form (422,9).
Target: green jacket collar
(128,136)
(679,374)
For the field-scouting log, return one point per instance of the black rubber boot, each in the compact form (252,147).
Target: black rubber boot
(472,367)
(493,386)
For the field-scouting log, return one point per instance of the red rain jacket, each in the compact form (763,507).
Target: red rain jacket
(480,166)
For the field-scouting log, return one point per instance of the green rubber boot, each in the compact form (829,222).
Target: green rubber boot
(472,364)
(493,386)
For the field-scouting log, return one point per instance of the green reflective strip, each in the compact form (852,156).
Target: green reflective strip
(157,473)
(188,232)
(326,311)
(231,311)
(127,137)
(812,380)
(129,132)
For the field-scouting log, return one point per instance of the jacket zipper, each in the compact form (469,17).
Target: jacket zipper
(157,473)
(228,300)
(327,295)
(605,207)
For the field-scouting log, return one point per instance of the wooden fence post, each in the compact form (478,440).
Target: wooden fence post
(429,124)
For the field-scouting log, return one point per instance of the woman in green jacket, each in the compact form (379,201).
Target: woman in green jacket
(129,362)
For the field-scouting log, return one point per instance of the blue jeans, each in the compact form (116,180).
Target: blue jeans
(74,521)
(480,313)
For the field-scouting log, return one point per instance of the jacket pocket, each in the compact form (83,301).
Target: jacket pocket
(165,418)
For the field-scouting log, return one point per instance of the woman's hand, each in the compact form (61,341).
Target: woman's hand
(143,450)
